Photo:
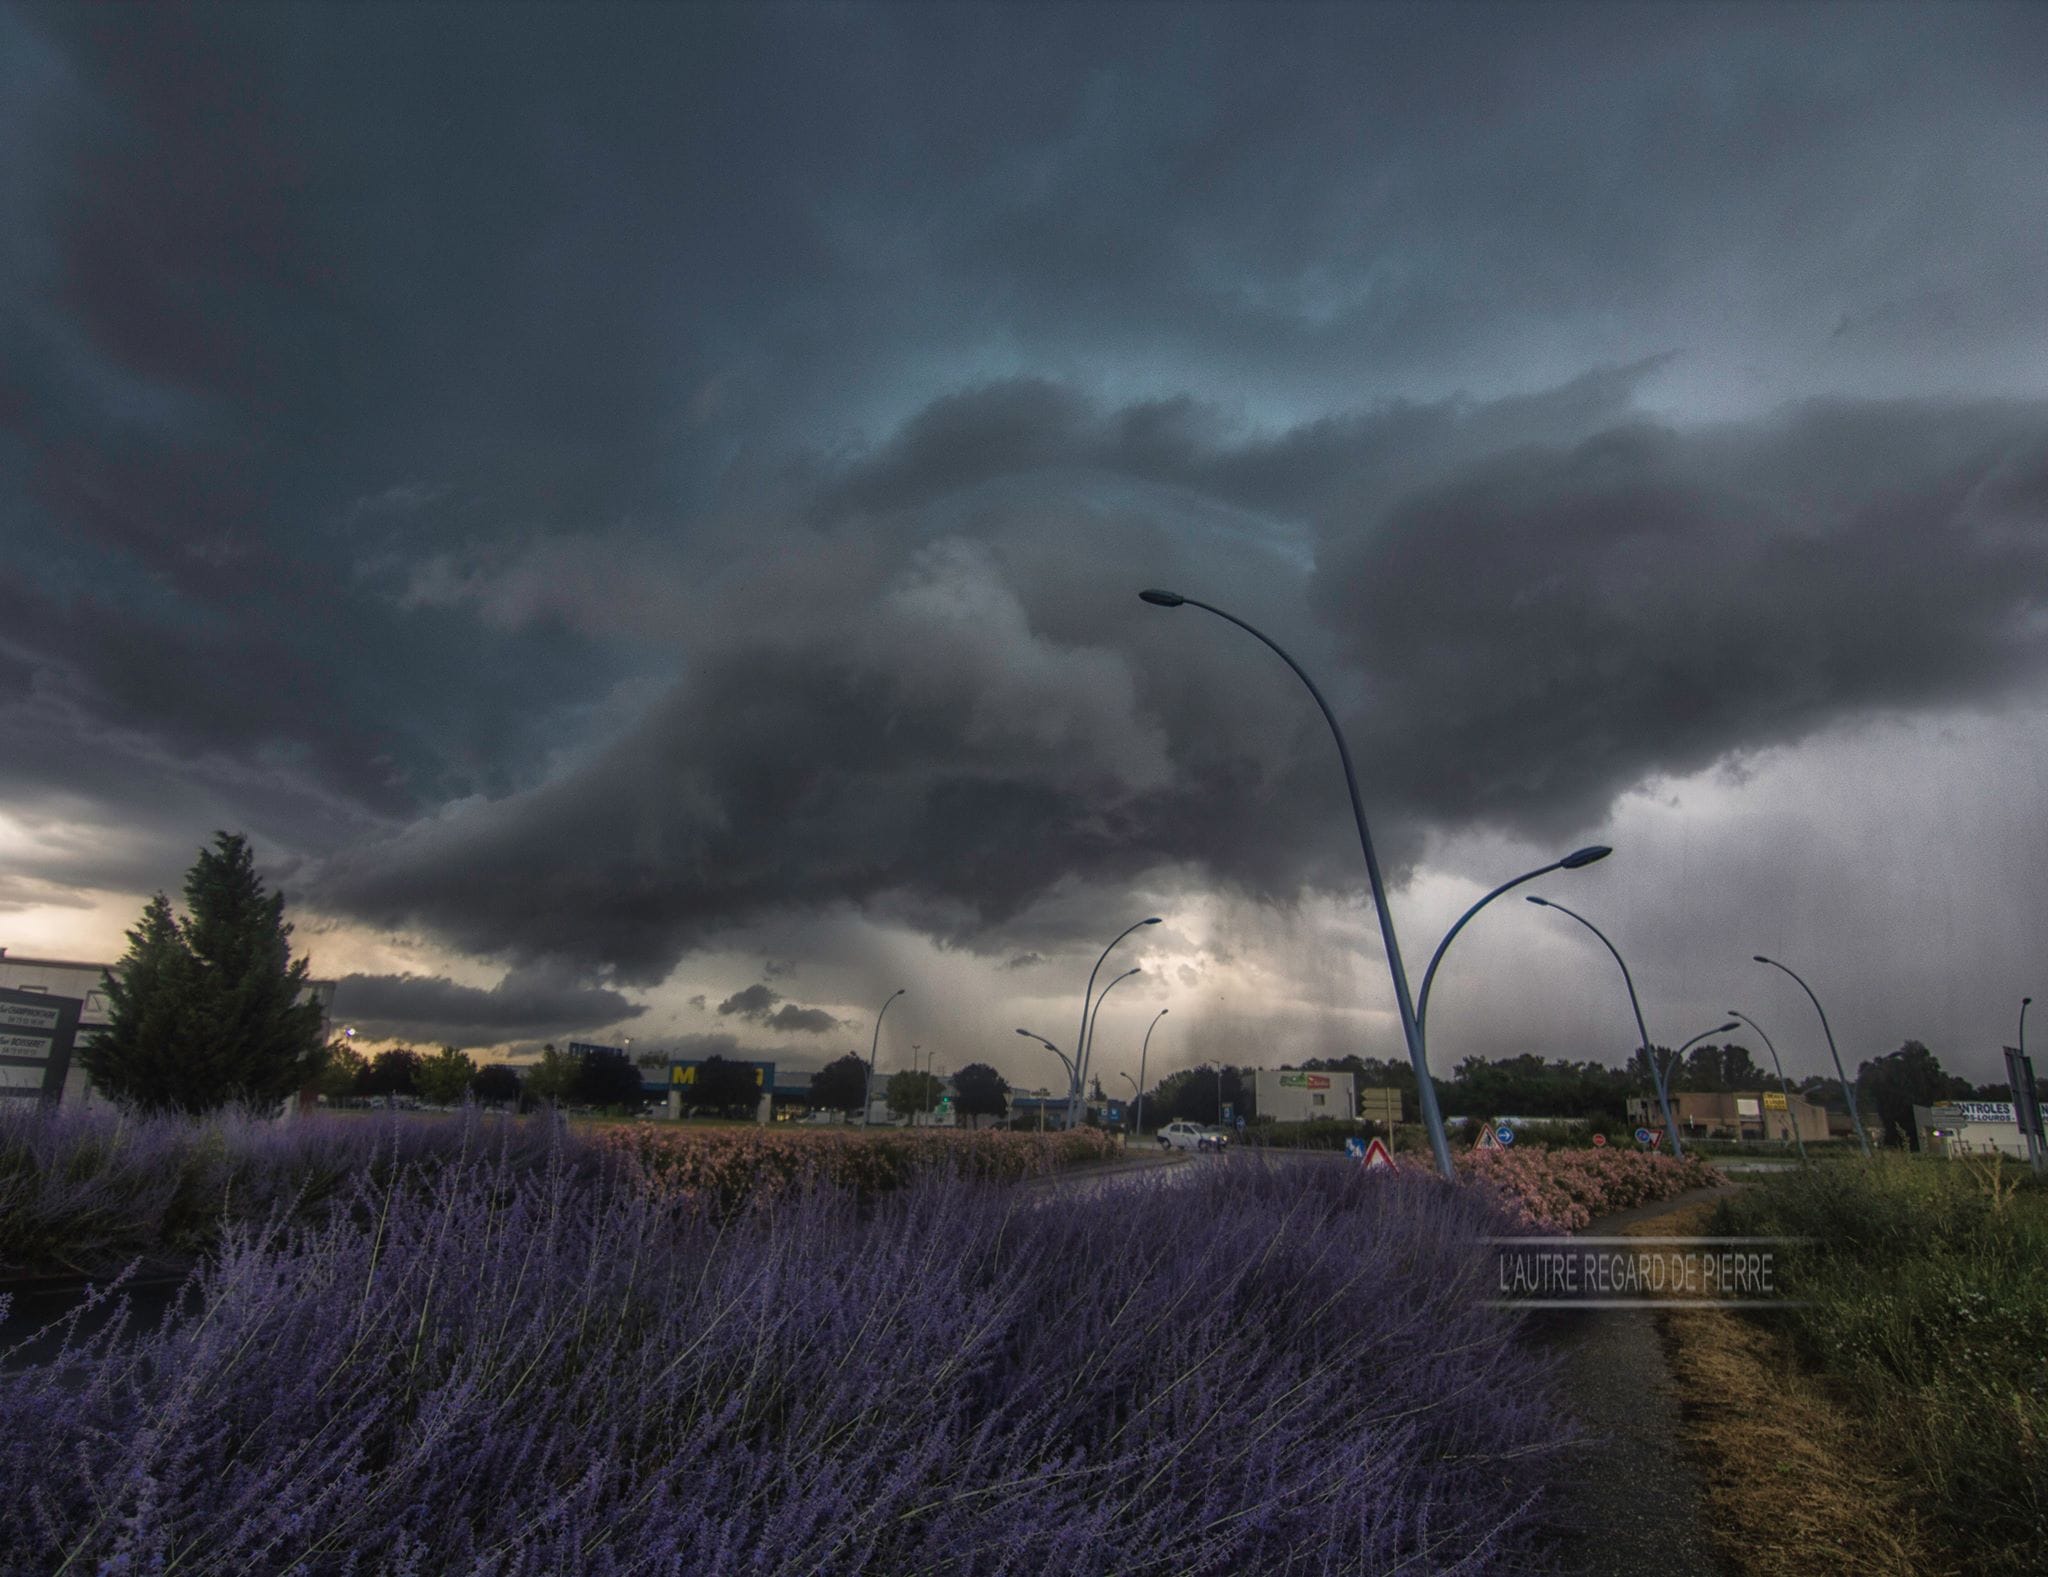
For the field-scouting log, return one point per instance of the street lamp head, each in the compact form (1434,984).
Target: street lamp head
(1758,958)
(1724,1029)
(1542,903)
(1153,921)
(1585,856)
(1162,599)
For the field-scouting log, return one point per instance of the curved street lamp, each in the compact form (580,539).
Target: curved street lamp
(1649,1055)
(1791,1118)
(1848,1089)
(1577,859)
(1660,1077)
(1073,1077)
(1139,1117)
(1081,1040)
(1094,1018)
(869,1093)
(1432,1117)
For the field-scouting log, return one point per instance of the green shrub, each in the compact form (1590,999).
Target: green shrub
(1926,1288)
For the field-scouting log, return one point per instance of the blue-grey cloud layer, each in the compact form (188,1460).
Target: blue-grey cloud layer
(578,481)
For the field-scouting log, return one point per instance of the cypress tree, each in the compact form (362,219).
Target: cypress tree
(207,1011)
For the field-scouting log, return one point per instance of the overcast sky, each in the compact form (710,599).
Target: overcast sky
(637,511)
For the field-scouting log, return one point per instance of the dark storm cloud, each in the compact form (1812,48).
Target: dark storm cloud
(1546,603)
(757,1003)
(562,478)
(431,1007)
(754,1003)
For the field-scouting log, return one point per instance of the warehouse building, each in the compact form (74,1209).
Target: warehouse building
(1736,1114)
(1299,1095)
(1971,1128)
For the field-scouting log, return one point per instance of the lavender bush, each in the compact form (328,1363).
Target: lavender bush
(507,1369)
(90,1190)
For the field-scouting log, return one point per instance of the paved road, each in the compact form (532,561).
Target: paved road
(1633,1503)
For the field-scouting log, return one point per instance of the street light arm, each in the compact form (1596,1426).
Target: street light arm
(1848,1089)
(1081,1040)
(1429,974)
(1411,1031)
(1636,1007)
(1784,1089)
(868,1093)
(1087,1050)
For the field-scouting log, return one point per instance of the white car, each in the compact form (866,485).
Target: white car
(1190,1136)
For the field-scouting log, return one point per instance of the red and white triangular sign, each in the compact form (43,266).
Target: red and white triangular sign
(1376,1155)
(1486,1139)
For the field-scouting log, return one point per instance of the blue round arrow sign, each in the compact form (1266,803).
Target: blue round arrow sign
(1642,1136)
(1504,1134)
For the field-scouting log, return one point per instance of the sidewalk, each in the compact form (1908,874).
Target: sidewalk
(1633,1503)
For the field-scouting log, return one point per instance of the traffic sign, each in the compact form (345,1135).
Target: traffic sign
(1376,1156)
(1226,1114)
(1355,1148)
(1487,1140)
(1504,1134)
(1643,1136)
(1600,1140)
(1656,1138)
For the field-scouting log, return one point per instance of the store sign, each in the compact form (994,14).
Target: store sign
(1304,1081)
(36,1035)
(1774,1101)
(1986,1111)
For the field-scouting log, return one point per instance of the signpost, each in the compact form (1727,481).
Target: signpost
(1355,1149)
(1504,1134)
(1643,1136)
(36,1035)
(1599,1141)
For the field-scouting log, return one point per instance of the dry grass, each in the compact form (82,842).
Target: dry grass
(1796,1485)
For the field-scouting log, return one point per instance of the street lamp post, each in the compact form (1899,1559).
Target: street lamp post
(1410,1030)
(868,1104)
(1660,1075)
(1081,1041)
(1649,1053)
(1791,1117)
(1088,1051)
(1065,1062)
(1139,1118)
(1133,1083)
(1848,1089)
(1571,862)
(1080,1045)
(2019,1099)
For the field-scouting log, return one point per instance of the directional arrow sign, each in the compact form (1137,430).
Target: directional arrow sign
(1504,1134)
(1643,1136)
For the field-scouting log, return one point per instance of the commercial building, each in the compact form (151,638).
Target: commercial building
(1297,1095)
(1736,1114)
(70,977)
(1971,1128)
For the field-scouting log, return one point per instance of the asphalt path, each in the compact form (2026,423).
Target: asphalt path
(1632,1503)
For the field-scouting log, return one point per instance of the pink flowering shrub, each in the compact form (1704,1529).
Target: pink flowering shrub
(731,1166)
(1564,1190)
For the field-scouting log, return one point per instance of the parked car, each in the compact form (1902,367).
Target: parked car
(1191,1136)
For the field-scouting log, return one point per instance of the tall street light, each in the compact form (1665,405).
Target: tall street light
(870,1091)
(1660,1075)
(1081,1040)
(1139,1117)
(1065,1062)
(1410,1030)
(1848,1089)
(1649,1054)
(1088,1050)
(1791,1117)
(1576,860)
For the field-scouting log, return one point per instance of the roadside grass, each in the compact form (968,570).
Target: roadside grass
(1928,1302)
(1793,1485)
